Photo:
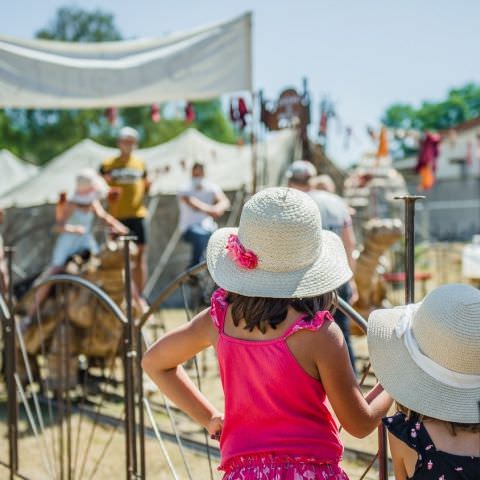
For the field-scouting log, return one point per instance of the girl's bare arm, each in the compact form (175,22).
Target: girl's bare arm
(112,222)
(162,363)
(358,415)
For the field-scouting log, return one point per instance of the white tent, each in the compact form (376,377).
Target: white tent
(230,166)
(203,63)
(13,171)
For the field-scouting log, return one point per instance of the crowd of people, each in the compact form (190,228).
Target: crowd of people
(285,357)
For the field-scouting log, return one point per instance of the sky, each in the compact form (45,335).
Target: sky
(364,55)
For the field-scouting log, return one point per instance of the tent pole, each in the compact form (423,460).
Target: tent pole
(253,146)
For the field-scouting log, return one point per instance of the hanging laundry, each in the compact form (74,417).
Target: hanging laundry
(111,113)
(427,160)
(189,112)
(239,112)
(155,113)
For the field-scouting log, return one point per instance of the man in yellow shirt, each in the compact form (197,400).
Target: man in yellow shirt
(127,175)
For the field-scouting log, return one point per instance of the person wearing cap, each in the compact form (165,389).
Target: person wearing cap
(200,203)
(126,174)
(427,357)
(74,223)
(336,218)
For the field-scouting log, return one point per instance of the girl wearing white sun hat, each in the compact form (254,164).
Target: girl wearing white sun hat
(427,356)
(279,352)
(74,224)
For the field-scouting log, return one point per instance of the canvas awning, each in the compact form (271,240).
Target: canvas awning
(169,164)
(202,63)
(13,171)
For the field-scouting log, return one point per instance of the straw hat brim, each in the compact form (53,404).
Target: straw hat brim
(330,271)
(407,383)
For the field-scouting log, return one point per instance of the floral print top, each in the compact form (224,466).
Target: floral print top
(432,464)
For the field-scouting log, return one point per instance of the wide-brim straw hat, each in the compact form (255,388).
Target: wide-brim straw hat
(294,258)
(427,355)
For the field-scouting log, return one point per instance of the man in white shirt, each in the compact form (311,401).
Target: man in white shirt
(336,218)
(200,202)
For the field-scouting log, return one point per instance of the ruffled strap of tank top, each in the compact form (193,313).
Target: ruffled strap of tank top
(314,324)
(218,308)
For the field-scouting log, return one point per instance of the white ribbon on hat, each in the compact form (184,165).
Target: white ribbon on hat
(403,331)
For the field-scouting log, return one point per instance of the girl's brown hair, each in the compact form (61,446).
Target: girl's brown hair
(454,426)
(260,312)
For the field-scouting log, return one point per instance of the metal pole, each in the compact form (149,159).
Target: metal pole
(141,416)
(10,369)
(409,201)
(253,146)
(409,298)
(129,353)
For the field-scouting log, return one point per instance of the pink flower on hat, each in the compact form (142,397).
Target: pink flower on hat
(240,255)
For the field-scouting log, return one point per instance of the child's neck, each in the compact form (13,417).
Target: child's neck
(457,442)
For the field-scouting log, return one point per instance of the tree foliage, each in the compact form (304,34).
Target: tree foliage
(461,104)
(39,135)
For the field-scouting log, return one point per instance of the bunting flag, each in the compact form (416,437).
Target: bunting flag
(111,113)
(189,112)
(155,113)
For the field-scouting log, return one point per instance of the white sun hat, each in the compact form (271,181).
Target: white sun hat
(427,355)
(279,249)
(89,186)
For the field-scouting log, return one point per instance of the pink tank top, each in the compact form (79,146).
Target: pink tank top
(272,405)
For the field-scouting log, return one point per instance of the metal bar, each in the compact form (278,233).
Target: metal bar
(140,403)
(382,453)
(350,312)
(253,147)
(154,425)
(130,352)
(10,369)
(169,289)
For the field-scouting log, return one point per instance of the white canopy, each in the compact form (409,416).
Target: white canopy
(13,171)
(230,166)
(202,63)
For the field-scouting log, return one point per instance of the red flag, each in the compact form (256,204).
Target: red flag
(189,113)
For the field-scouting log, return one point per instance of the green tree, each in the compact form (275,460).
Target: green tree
(461,104)
(72,24)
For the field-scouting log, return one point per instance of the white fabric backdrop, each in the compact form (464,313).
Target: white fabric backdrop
(227,165)
(13,171)
(198,64)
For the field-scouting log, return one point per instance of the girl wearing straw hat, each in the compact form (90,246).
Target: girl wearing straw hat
(436,432)
(74,223)
(280,354)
